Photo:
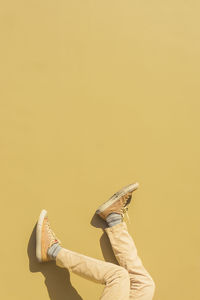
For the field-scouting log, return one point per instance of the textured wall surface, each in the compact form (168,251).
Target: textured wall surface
(95,95)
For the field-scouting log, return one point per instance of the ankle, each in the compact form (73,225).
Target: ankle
(113,219)
(53,250)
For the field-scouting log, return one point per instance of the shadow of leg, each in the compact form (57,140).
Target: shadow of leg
(105,244)
(57,279)
(106,249)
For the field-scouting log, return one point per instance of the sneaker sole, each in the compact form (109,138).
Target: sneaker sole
(39,235)
(129,188)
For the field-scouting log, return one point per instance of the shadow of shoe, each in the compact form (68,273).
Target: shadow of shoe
(98,222)
(105,244)
(57,280)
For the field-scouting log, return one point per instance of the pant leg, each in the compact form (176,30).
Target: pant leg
(142,286)
(115,278)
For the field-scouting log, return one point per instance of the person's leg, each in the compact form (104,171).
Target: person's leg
(142,286)
(115,278)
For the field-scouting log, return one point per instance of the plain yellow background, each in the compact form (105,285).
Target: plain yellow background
(95,95)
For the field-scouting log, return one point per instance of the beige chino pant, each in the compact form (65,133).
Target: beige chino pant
(129,280)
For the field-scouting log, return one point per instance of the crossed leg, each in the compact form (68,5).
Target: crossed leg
(115,278)
(142,286)
(128,281)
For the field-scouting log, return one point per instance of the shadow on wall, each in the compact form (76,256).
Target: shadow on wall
(57,279)
(105,244)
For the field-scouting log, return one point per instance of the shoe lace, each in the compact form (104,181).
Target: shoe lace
(124,210)
(52,236)
(125,213)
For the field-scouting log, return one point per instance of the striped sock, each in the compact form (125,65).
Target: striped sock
(53,250)
(113,219)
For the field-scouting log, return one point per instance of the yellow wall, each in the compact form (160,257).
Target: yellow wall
(95,95)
